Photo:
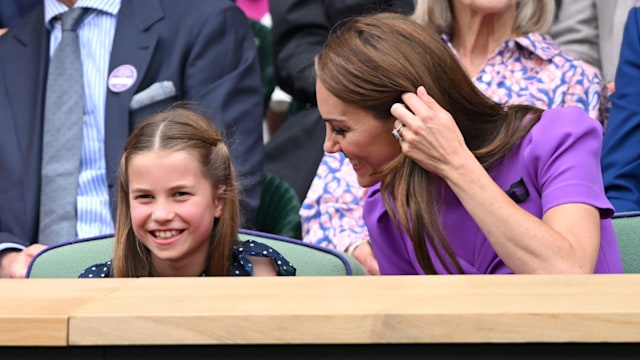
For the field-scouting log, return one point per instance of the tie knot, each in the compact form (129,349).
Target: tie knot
(72,19)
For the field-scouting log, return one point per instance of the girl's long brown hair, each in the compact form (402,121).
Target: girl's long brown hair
(180,128)
(370,62)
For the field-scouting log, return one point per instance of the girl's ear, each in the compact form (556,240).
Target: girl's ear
(218,201)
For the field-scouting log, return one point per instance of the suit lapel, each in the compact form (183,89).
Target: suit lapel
(133,44)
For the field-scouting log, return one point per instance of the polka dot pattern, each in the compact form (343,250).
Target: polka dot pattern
(241,265)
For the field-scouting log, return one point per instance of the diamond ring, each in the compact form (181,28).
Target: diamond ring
(397,133)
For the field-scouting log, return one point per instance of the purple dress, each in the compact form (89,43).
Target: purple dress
(558,162)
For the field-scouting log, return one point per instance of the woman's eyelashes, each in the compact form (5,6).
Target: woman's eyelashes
(338,131)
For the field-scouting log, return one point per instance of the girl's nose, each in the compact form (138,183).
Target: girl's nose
(163,212)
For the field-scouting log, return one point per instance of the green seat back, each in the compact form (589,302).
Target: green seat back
(627,228)
(68,260)
(278,211)
(308,259)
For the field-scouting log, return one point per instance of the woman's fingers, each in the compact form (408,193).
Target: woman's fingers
(400,112)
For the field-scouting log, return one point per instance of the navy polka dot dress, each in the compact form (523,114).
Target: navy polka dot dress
(241,264)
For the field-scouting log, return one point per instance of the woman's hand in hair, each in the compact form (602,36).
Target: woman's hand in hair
(430,135)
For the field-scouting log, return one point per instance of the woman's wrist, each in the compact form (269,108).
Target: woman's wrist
(354,245)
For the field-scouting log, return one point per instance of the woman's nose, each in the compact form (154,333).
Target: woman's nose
(331,144)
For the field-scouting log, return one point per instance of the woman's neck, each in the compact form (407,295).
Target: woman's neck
(476,35)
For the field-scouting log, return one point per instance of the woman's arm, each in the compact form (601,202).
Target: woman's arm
(565,240)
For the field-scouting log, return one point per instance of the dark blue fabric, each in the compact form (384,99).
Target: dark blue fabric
(620,158)
(12,11)
(241,265)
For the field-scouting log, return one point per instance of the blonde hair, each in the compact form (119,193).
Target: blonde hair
(531,15)
(369,63)
(179,128)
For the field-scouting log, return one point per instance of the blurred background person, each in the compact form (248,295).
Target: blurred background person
(621,151)
(591,30)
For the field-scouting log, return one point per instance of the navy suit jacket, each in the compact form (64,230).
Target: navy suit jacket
(12,11)
(205,48)
(621,148)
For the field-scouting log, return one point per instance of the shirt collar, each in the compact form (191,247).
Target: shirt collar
(539,44)
(53,8)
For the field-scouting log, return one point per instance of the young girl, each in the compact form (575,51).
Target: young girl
(178,207)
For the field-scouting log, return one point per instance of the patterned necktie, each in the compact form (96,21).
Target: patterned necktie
(62,136)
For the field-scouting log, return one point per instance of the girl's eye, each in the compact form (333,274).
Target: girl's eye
(182,194)
(142,197)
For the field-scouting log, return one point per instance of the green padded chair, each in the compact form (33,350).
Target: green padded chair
(278,209)
(68,260)
(309,259)
(627,227)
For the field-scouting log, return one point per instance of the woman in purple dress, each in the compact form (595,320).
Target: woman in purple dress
(459,183)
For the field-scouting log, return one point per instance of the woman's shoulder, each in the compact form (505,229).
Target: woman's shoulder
(100,270)
(242,265)
(563,130)
(570,118)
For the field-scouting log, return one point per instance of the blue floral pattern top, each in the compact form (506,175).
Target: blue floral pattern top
(532,70)
(241,264)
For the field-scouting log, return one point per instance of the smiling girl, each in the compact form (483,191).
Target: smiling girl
(178,207)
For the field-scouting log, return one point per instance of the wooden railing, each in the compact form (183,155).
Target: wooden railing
(512,309)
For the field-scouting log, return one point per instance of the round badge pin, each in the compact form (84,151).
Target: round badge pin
(122,78)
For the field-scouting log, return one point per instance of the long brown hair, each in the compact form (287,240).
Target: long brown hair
(370,62)
(180,128)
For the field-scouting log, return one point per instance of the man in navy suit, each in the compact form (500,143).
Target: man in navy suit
(138,56)
(621,147)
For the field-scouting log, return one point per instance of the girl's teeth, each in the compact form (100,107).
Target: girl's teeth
(166,234)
